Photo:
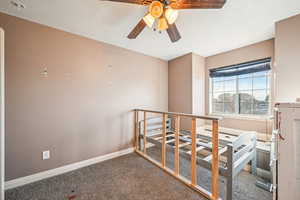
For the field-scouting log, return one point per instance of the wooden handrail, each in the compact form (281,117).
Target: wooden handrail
(182,114)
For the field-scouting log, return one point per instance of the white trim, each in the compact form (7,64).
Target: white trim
(243,117)
(64,169)
(2,115)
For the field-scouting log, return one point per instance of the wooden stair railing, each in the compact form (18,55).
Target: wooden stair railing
(214,194)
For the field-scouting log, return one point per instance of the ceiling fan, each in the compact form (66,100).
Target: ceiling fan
(163,14)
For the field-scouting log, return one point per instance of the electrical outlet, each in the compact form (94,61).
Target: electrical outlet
(46,155)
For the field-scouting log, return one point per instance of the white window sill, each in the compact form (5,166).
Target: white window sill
(243,117)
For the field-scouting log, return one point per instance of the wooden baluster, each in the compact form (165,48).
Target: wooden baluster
(136,129)
(176,154)
(194,154)
(163,150)
(215,160)
(145,133)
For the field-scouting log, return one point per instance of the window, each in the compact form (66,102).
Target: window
(242,89)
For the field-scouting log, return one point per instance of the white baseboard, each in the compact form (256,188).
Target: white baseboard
(61,170)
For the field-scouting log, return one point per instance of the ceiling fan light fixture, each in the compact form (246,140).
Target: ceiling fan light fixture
(149,20)
(162,24)
(156,9)
(171,15)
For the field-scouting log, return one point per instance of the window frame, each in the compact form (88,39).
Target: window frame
(236,115)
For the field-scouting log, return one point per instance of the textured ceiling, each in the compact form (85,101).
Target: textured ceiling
(205,32)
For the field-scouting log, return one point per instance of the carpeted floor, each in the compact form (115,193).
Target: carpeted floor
(128,177)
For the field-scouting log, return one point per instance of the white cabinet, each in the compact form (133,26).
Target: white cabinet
(288,124)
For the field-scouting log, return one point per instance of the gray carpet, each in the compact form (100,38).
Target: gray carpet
(128,177)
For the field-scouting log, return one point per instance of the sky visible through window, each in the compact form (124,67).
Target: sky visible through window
(242,94)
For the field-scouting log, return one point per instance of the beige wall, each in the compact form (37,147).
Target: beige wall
(82,109)
(253,52)
(180,87)
(187,86)
(180,84)
(287,52)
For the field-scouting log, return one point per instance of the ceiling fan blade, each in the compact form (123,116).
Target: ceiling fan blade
(173,33)
(198,4)
(137,29)
(140,2)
